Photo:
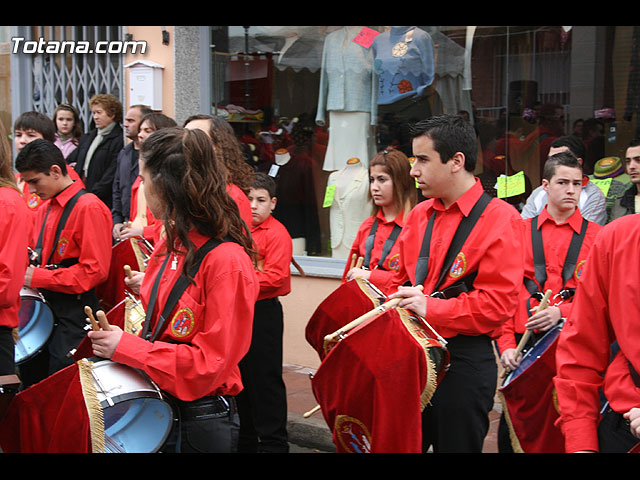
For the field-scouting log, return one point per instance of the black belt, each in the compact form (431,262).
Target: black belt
(215,406)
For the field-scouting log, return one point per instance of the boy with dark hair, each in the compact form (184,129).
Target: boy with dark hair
(467,295)
(262,404)
(556,227)
(72,237)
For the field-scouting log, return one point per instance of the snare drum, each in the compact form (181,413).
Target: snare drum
(137,418)
(35,325)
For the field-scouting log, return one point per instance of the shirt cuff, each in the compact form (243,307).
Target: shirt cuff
(131,351)
(580,434)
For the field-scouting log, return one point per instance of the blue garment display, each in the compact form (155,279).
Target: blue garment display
(404,62)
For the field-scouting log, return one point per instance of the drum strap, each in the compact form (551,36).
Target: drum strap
(388,244)
(464,229)
(539,263)
(61,223)
(176,292)
(635,376)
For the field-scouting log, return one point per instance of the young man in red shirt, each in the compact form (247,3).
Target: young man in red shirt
(469,314)
(262,404)
(557,225)
(603,313)
(73,256)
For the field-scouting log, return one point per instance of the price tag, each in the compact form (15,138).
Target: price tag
(365,37)
(328,196)
(511,186)
(603,183)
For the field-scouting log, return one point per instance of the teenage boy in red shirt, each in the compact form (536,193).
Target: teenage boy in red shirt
(262,404)
(469,318)
(71,262)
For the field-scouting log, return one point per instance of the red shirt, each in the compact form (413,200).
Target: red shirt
(556,239)
(14,258)
(242,201)
(209,330)
(493,249)
(604,310)
(86,236)
(275,251)
(391,263)
(152,230)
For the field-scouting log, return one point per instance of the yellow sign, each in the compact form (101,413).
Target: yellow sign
(328,196)
(603,183)
(511,186)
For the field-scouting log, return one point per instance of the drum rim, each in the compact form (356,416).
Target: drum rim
(19,360)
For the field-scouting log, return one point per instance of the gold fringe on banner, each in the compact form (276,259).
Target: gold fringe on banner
(515,443)
(94,409)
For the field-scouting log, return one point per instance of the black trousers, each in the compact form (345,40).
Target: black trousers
(7,352)
(614,435)
(262,403)
(457,421)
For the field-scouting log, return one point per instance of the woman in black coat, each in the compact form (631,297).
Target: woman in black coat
(96,156)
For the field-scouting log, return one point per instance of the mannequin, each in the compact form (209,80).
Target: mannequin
(348,92)
(350,206)
(404,63)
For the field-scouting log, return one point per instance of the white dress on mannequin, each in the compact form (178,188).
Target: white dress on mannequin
(350,207)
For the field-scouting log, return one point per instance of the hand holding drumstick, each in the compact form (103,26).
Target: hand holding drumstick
(104,337)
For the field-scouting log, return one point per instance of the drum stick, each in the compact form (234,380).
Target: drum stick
(311,412)
(127,271)
(353,261)
(91,318)
(360,261)
(544,303)
(363,318)
(102,319)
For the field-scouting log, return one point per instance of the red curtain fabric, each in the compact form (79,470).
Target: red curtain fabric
(112,290)
(369,388)
(48,417)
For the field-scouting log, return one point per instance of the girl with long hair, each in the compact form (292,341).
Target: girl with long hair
(191,350)
(393,194)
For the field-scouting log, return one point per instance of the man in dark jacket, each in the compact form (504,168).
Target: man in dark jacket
(95,157)
(629,201)
(126,168)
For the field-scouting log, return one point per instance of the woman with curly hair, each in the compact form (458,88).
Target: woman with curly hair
(95,158)
(226,145)
(191,347)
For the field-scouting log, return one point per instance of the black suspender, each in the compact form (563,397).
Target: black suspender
(176,292)
(539,264)
(464,229)
(388,244)
(61,224)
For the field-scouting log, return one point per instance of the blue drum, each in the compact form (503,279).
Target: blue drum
(137,418)
(35,325)
(534,353)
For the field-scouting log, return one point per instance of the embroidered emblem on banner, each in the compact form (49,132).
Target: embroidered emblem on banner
(62,247)
(353,435)
(393,263)
(182,323)
(459,266)
(579,268)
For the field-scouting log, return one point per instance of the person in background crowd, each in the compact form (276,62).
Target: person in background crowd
(394,194)
(14,243)
(191,347)
(629,201)
(95,158)
(141,221)
(226,145)
(126,169)
(68,128)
